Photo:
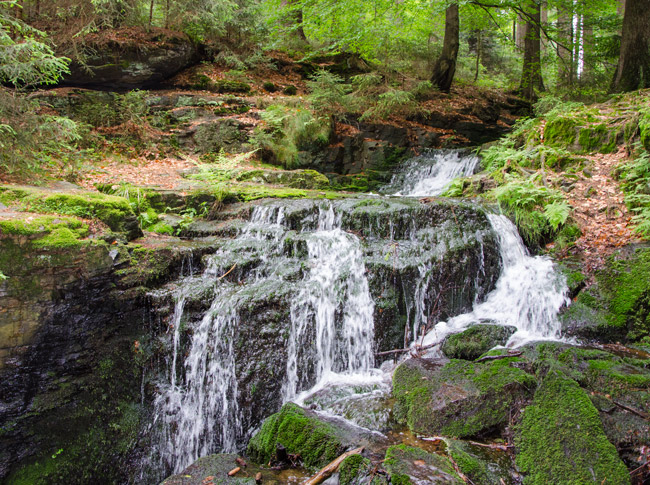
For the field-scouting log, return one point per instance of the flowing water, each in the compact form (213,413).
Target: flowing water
(307,259)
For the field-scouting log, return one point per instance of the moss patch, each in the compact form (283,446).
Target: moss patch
(561,439)
(352,469)
(475,341)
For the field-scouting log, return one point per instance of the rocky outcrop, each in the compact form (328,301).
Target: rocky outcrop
(131,59)
(470,344)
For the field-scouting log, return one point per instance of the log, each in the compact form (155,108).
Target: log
(322,475)
(241,462)
(234,471)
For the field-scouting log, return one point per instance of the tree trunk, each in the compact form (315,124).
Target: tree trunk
(633,71)
(295,19)
(151,5)
(445,66)
(520,32)
(478,55)
(565,72)
(531,73)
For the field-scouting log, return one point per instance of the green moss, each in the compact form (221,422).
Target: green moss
(484,470)
(352,468)
(161,228)
(403,462)
(115,212)
(561,439)
(598,138)
(560,132)
(477,396)
(621,285)
(40,225)
(316,442)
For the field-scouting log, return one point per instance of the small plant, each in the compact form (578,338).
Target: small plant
(391,102)
(290,90)
(328,93)
(269,87)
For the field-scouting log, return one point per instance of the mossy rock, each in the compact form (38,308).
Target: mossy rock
(461,398)
(301,433)
(210,469)
(115,212)
(407,464)
(470,344)
(481,464)
(561,132)
(561,438)
(599,138)
(354,470)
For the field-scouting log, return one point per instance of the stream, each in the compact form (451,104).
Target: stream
(298,300)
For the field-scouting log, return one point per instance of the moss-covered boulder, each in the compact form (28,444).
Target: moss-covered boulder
(561,439)
(617,306)
(460,398)
(299,179)
(300,432)
(212,469)
(407,464)
(470,344)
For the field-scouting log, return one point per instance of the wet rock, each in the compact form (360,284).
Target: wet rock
(561,438)
(470,344)
(459,398)
(481,464)
(212,469)
(407,464)
(355,470)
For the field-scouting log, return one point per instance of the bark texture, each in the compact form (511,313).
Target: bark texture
(531,73)
(445,66)
(633,71)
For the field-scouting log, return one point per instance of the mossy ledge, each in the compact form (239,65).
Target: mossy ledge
(561,438)
(113,211)
(404,462)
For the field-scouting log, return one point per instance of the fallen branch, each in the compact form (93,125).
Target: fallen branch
(331,468)
(632,410)
(234,471)
(497,357)
(227,272)
(417,348)
(492,446)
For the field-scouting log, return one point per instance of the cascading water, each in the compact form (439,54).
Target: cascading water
(331,331)
(334,304)
(431,173)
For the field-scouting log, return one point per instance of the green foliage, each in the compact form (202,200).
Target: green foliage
(287,131)
(393,101)
(537,211)
(635,176)
(328,93)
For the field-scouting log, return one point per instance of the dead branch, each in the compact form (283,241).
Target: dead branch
(227,272)
(331,468)
(497,357)
(417,348)
(632,410)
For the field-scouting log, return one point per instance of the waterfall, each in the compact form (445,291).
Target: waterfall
(334,304)
(431,173)
(331,331)
(528,295)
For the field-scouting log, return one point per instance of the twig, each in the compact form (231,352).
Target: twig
(417,348)
(497,357)
(632,410)
(331,468)
(227,272)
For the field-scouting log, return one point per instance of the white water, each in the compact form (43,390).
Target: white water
(528,294)
(430,174)
(334,304)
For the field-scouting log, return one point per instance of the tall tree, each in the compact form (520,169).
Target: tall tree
(295,18)
(445,66)
(633,71)
(565,74)
(531,72)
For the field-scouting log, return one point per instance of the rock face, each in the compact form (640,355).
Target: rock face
(134,59)
(407,464)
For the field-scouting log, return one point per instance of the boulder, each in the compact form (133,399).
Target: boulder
(561,438)
(470,344)
(459,398)
(131,59)
(407,464)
